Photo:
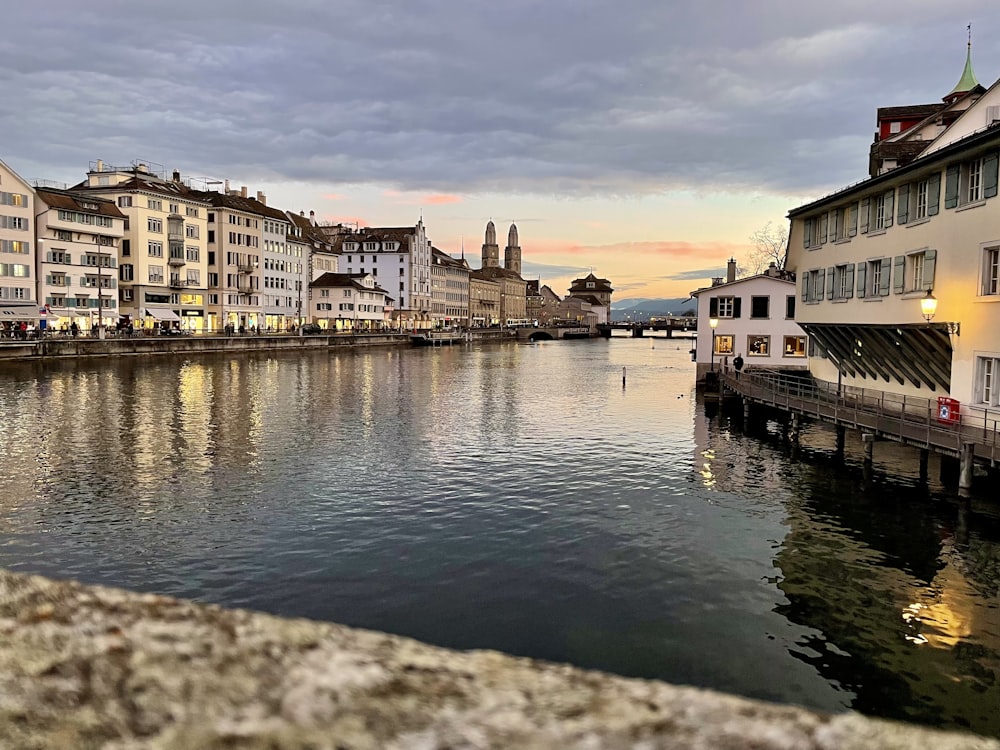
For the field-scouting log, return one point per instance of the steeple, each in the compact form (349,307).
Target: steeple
(512,253)
(491,250)
(968,80)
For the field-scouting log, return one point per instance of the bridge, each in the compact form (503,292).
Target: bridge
(909,420)
(683,327)
(551,333)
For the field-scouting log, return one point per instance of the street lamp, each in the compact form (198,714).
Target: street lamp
(714,323)
(928,306)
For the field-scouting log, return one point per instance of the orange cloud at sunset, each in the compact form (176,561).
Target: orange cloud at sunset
(440,199)
(694,251)
(351,220)
(334,197)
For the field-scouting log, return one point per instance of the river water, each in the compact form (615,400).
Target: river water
(514,497)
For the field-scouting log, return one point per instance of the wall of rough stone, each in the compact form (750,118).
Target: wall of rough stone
(90,667)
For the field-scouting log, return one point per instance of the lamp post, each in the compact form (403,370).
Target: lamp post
(714,323)
(928,306)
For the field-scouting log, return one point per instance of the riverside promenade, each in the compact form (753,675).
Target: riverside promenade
(93,667)
(57,347)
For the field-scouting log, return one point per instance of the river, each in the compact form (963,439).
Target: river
(514,497)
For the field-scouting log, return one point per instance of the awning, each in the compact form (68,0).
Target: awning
(162,314)
(19,312)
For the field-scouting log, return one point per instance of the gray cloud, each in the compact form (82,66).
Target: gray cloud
(568,96)
(697,274)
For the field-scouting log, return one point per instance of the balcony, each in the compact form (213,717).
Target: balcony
(176,282)
(175,236)
(176,259)
(245,288)
(246,267)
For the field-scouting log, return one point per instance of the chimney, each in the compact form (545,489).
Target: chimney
(302,214)
(261,198)
(177,175)
(731,270)
(312,218)
(100,165)
(243,191)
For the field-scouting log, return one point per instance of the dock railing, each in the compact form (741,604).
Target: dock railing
(908,419)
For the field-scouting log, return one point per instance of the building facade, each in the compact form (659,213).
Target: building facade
(18,288)
(595,290)
(349,302)
(450,285)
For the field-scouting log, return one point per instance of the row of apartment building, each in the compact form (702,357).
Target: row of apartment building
(135,244)
(894,280)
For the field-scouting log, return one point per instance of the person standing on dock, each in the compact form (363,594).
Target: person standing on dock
(738,364)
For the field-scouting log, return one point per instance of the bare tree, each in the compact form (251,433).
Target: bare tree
(770,245)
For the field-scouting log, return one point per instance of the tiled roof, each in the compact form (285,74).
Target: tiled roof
(145,183)
(239,203)
(72,202)
(908,112)
(600,285)
(344,280)
(495,272)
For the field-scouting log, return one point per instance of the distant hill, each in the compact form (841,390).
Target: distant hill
(649,308)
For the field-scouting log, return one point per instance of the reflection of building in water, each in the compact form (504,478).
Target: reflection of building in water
(906,618)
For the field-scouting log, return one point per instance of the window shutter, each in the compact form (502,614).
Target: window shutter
(805,287)
(822,229)
(736,306)
(865,218)
(850,279)
(830,274)
(930,261)
(835,232)
(990,175)
(889,201)
(933,193)
(68,259)
(713,307)
(904,205)
(884,281)
(852,227)
(862,279)
(48,256)
(818,290)
(898,274)
(951,186)
(807,226)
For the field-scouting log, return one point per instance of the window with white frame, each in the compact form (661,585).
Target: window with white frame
(973,181)
(991,271)
(987,392)
(873,277)
(920,201)
(154,204)
(154,225)
(914,272)
(155,249)
(882,214)
(843,281)
(724,344)
(758,346)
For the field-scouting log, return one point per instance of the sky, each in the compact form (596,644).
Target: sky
(643,140)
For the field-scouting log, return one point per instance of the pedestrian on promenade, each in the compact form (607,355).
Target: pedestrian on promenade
(738,364)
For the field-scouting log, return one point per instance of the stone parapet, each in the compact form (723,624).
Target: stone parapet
(90,667)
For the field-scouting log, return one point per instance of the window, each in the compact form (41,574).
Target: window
(882,206)
(155,249)
(758,346)
(124,201)
(914,272)
(991,271)
(724,344)
(794,346)
(724,307)
(192,254)
(895,127)
(13,222)
(13,199)
(126,248)
(987,392)
(191,211)
(814,232)
(63,236)
(920,204)
(760,307)
(191,231)
(840,282)
(154,225)
(972,181)
(156,274)
(211,235)
(790,307)
(125,272)
(154,204)
(812,285)
(873,278)
(845,222)
(15,246)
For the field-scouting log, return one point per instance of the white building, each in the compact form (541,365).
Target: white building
(755,318)
(18,300)
(79,237)
(349,302)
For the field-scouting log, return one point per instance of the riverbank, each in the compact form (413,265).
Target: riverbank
(87,667)
(64,347)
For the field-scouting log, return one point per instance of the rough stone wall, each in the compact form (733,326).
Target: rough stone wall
(87,667)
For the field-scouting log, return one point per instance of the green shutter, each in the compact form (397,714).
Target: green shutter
(865,214)
(898,274)
(805,287)
(807,232)
(829,281)
(884,281)
(903,215)
(822,229)
(852,227)
(930,261)
(862,279)
(990,175)
(850,279)
(890,197)
(951,186)
(818,290)
(933,194)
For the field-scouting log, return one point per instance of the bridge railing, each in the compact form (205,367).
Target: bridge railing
(909,418)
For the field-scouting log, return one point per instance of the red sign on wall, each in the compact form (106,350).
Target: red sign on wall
(948,410)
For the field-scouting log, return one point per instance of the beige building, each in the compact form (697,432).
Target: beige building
(595,291)
(511,292)
(871,256)
(18,291)
(79,238)
(163,258)
(484,300)
(349,302)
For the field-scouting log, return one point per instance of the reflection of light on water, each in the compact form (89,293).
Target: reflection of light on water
(706,468)
(943,622)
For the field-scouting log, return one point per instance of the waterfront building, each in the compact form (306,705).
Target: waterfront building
(321,256)
(595,291)
(450,290)
(79,238)
(484,300)
(400,260)
(511,290)
(349,302)
(163,259)
(754,317)
(284,268)
(18,289)
(899,275)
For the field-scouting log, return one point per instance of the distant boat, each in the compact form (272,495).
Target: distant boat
(436,338)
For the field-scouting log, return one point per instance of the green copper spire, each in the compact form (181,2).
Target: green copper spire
(968,80)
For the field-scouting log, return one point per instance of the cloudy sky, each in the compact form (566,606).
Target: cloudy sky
(643,139)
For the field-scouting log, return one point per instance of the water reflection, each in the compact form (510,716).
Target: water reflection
(517,498)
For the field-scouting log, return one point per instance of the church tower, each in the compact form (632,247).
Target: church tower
(512,253)
(491,250)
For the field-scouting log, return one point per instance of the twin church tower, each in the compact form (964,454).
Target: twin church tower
(511,253)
